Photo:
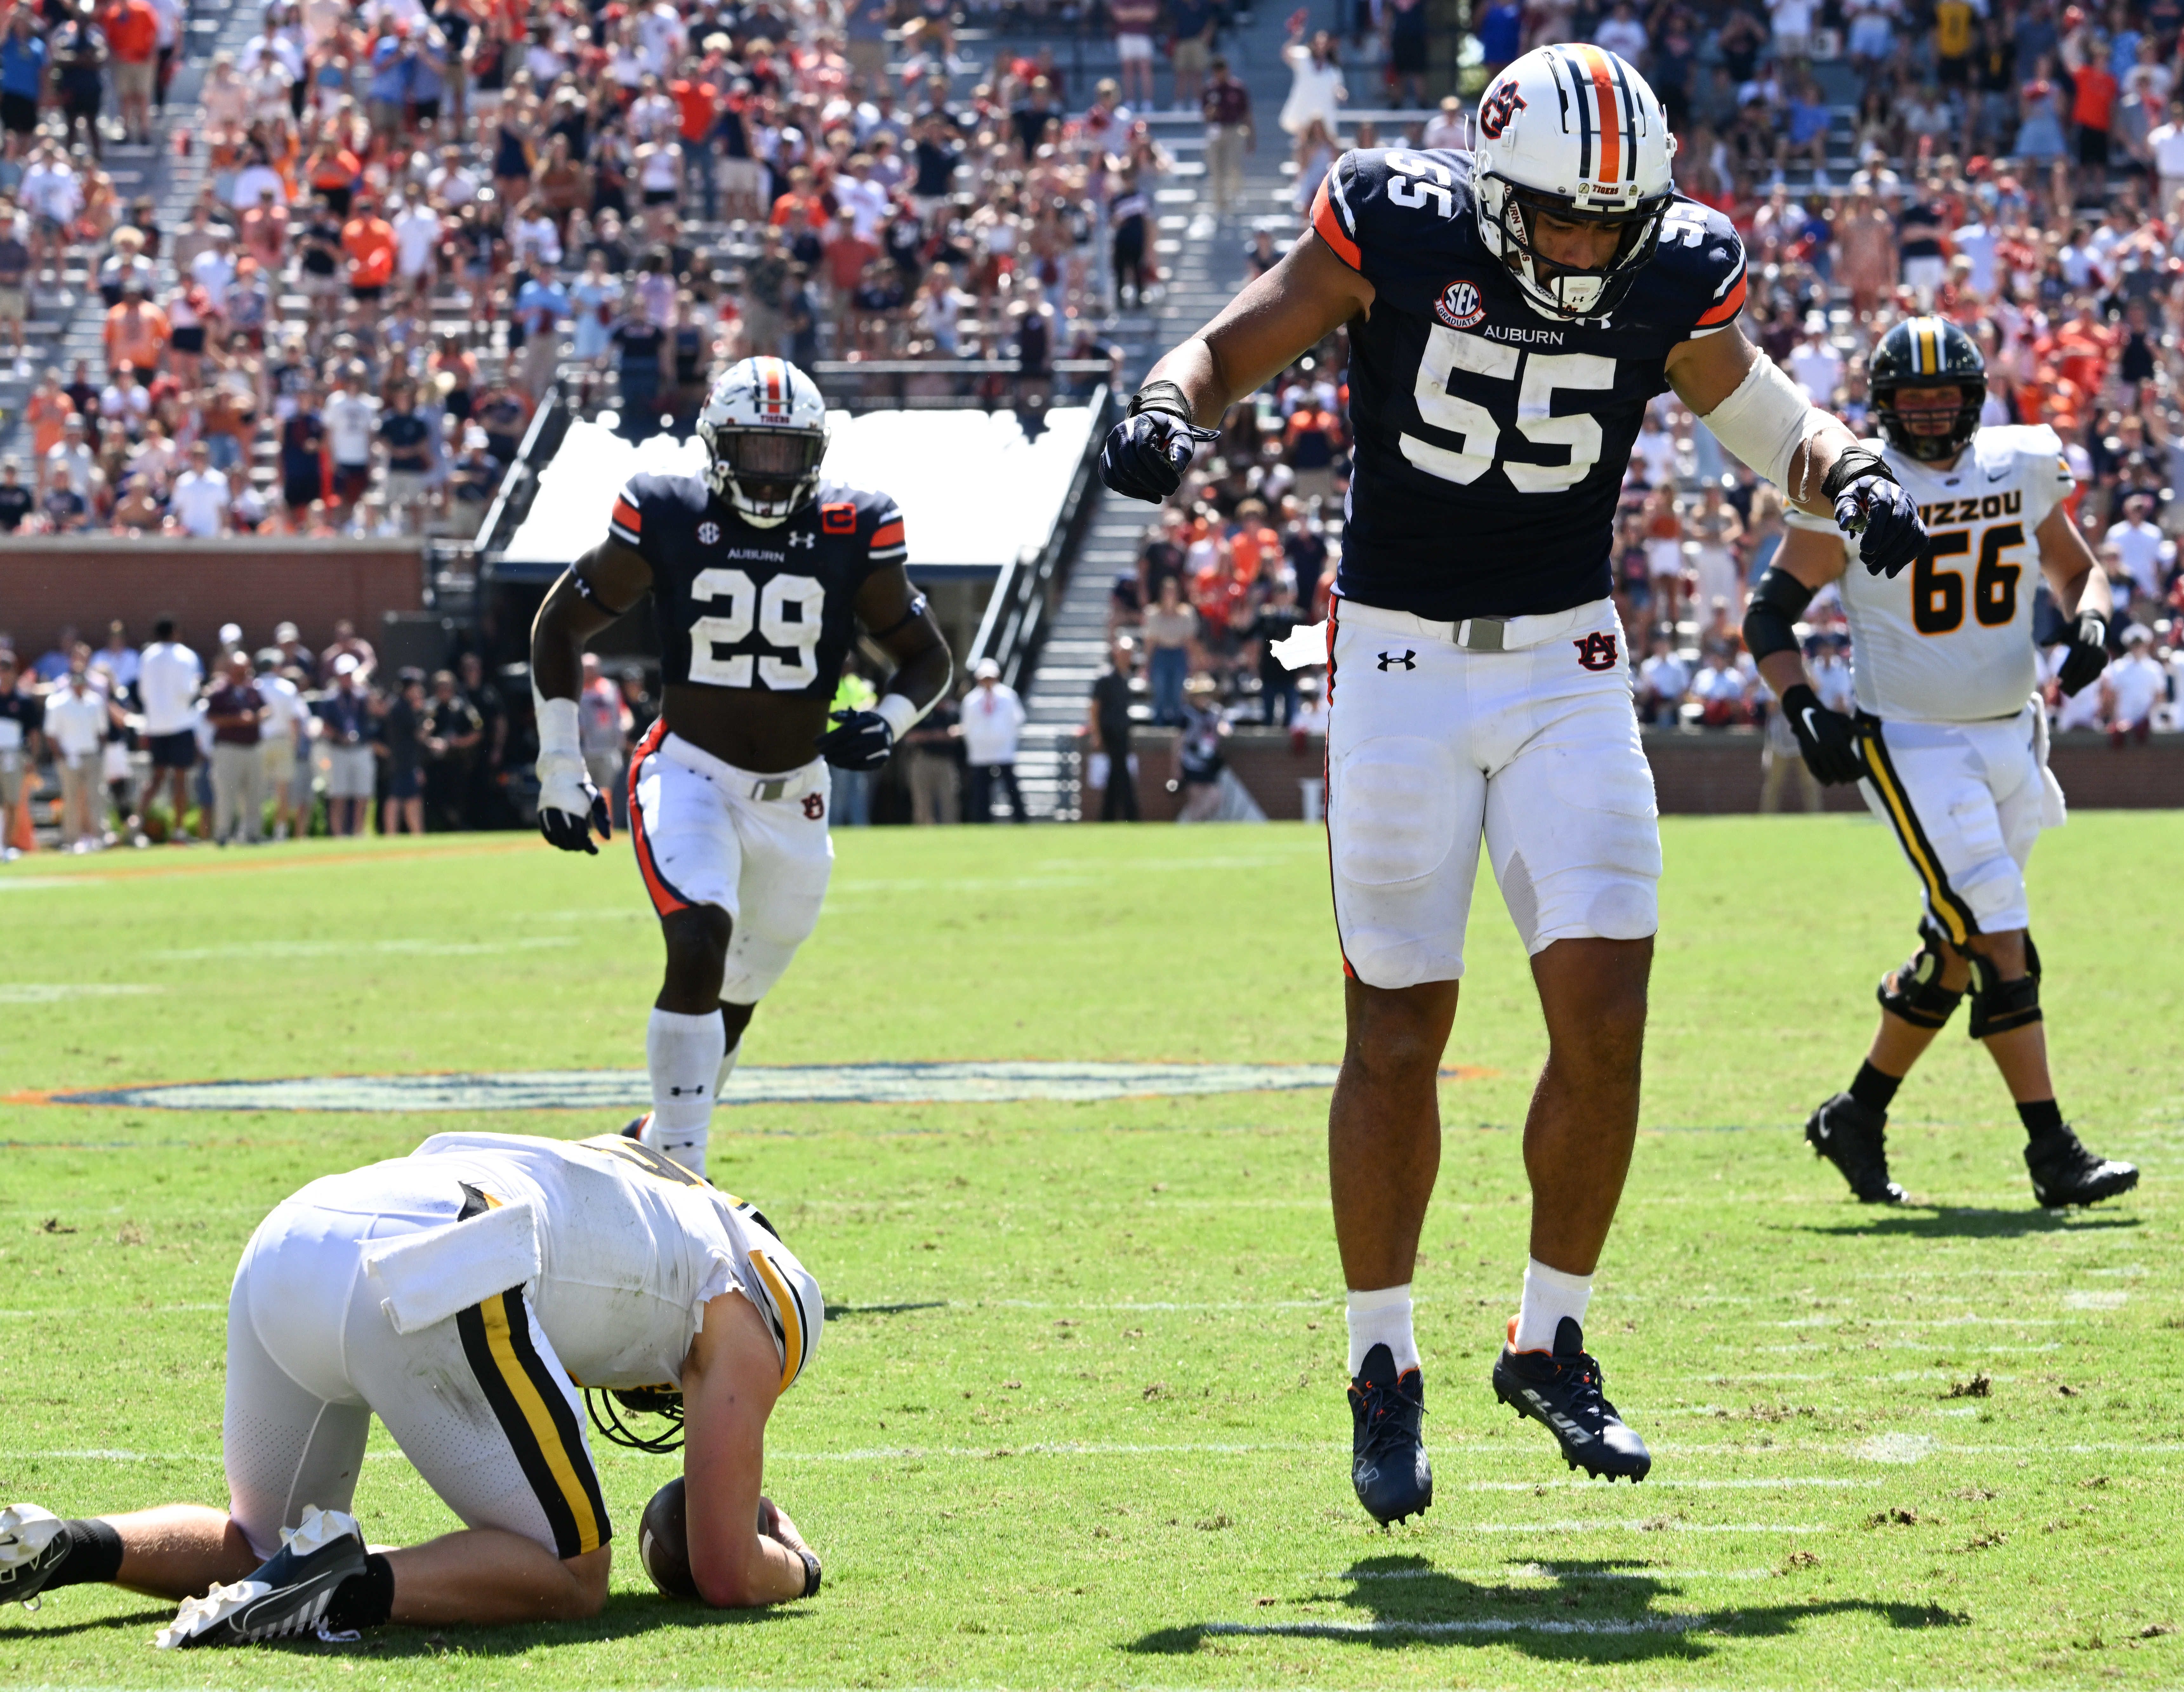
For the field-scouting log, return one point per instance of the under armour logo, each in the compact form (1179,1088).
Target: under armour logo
(1389,660)
(802,538)
(683,1092)
(1595,651)
(814,806)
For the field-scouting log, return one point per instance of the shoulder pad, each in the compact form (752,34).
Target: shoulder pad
(859,511)
(647,492)
(1697,274)
(1386,198)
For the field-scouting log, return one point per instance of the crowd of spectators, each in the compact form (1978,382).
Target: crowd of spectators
(2015,167)
(418,214)
(152,744)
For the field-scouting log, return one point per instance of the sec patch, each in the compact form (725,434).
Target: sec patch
(1459,306)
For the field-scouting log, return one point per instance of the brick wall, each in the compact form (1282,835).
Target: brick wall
(1715,773)
(255,581)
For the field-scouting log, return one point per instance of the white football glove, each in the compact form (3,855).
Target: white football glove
(570,807)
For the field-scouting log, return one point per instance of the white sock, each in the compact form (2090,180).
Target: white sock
(1382,1317)
(684,1055)
(1549,1296)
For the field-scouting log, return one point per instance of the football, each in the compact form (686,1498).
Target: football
(663,1541)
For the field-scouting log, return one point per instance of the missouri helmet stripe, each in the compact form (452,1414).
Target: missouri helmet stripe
(1927,340)
(536,1415)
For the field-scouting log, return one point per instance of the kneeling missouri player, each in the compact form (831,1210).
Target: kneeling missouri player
(760,575)
(465,1294)
(1510,311)
(1950,742)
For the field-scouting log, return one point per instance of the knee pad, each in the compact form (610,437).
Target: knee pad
(1917,994)
(1998,1005)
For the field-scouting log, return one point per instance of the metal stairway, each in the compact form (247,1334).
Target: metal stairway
(1205,259)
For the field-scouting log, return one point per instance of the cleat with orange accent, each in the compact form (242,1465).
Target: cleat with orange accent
(1388,1463)
(1565,1389)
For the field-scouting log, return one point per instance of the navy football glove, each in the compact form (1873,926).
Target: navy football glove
(1826,740)
(861,741)
(1871,504)
(1146,453)
(2088,655)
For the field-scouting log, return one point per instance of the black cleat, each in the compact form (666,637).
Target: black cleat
(1388,1463)
(1564,1389)
(634,1129)
(1855,1140)
(2063,1173)
(286,1597)
(33,1543)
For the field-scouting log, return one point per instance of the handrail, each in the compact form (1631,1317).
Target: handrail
(1010,630)
(488,529)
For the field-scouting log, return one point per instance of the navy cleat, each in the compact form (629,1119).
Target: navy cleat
(1564,1389)
(1388,1463)
(286,1598)
(1855,1140)
(34,1544)
(2063,1173)
(634,1129)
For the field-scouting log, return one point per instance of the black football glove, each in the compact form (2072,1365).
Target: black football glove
(2088,655)
(569,806)
(1883,517)
(861,741)
(1826,740)
(1145,454)
(1871,504)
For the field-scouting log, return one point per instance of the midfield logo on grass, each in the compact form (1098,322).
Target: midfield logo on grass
(600,1089)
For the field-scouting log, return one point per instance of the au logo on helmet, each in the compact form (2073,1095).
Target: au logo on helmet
(1502,104)
(1459,306)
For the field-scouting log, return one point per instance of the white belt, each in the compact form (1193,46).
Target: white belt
(791,784)
(1474,634)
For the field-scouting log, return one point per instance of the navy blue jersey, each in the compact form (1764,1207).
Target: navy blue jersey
(741,606)
(1491,441)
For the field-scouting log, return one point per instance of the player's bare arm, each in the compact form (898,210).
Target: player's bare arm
(742,1550)
(894,617)
(1292,307)
(591,595)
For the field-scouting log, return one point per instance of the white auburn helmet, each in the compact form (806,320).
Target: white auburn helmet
(764,428)
(1573,131)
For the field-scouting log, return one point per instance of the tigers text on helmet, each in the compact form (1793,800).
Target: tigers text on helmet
(1572,133)
(1927,352)
(764,428)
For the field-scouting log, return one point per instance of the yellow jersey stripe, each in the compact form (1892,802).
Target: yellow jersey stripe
(792,1320)
(525,1391)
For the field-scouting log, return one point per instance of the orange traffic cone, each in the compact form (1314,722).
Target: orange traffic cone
(25,837)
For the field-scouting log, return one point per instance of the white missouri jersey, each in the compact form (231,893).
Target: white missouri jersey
(617,1248)
(1950,639)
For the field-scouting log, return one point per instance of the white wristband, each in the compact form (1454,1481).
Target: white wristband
(901,713)
(557,725)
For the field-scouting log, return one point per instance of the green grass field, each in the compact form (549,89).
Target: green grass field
(1080,1420)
